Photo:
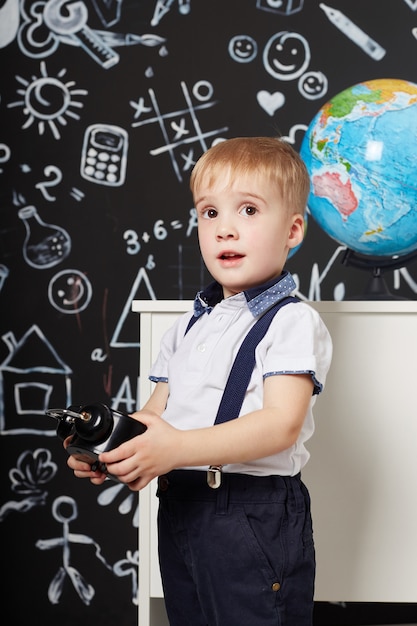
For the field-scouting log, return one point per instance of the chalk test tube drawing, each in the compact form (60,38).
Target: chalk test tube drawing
(73,23)
(45,245)
(48,100)
(33,471)
(354,33)
(104,155)
(28,388)
(64,510)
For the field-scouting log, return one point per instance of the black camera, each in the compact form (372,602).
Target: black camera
(94,428)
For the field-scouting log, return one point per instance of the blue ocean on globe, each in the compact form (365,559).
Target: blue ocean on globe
(361,153)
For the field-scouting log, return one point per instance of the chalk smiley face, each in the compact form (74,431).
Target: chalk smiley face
(313,85)
(243,48)
(70,291)
(286,55)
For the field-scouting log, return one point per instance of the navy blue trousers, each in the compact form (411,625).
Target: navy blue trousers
(239,555)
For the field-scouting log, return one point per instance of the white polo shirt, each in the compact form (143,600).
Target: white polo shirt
(197,365)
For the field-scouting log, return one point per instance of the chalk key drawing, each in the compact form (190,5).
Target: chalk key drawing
(73,24)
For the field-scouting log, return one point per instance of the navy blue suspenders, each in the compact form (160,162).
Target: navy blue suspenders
(238,380)
(239,377)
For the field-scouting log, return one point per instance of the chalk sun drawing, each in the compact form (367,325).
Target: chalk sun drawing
(48,101)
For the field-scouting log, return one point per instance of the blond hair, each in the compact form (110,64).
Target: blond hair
(269,156)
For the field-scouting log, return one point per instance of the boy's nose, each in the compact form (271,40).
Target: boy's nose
(226,231)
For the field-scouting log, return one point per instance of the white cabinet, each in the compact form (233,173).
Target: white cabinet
(362,474)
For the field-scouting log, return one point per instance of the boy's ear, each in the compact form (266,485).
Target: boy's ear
(296,234)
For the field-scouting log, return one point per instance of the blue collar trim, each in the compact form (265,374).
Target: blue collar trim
(259,299)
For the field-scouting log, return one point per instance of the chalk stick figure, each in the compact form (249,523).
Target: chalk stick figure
(86,591)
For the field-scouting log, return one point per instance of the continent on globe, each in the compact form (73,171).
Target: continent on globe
(329,185)
(360,151)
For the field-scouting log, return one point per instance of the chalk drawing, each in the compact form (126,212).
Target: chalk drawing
(48,101)
(64,510)
(33,471)
(104,154)
(70,292)
(32,385)
(183,128)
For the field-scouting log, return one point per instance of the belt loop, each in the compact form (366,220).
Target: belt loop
(294,489)
(222,501)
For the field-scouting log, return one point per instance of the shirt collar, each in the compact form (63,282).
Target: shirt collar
(259,299)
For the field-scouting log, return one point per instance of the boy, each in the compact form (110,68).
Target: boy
(235,542)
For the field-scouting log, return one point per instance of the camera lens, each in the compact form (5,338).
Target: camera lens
(95,422)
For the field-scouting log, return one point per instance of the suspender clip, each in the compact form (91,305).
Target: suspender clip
(214,476)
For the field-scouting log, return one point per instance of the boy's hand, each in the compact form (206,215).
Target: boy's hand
(140,459)
(82,469)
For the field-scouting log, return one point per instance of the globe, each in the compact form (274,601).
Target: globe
(361,153)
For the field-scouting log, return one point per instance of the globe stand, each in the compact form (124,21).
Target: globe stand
(376,289)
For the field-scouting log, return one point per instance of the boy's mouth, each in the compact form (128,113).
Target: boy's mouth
(229,255)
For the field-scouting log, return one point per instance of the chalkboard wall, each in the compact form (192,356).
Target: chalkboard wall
(104,106)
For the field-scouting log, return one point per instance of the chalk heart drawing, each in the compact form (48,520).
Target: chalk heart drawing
(270,102)
(412,4)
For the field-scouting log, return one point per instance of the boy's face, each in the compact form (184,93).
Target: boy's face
(245,231)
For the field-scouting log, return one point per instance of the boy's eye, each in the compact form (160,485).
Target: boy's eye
(248,210)
(209,213)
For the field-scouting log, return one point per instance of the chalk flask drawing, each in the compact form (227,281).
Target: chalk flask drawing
(45,245)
